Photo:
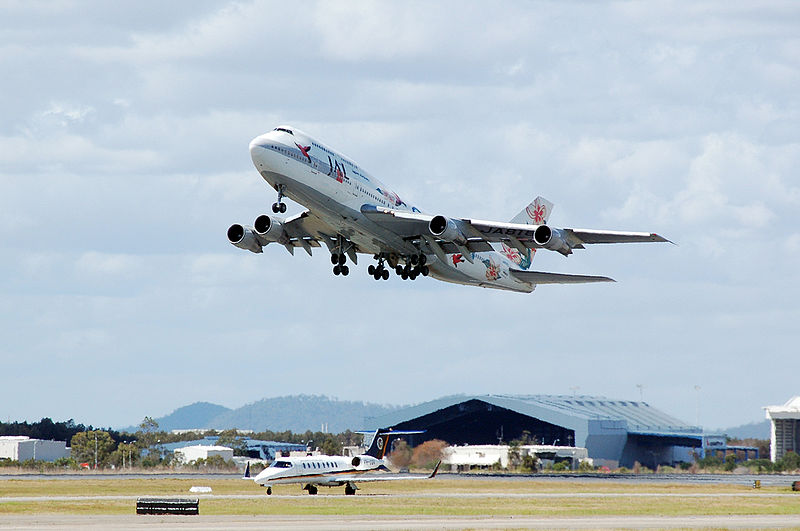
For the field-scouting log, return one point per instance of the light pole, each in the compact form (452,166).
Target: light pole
(95,450)
(34,449)
(697,406)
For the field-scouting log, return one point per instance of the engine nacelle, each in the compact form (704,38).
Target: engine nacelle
(268,229)
(446,229)
(553,239)
(365,462)
(244,238)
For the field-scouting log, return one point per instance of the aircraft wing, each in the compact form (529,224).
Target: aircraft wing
(464,234)
(306,230)
(396,477)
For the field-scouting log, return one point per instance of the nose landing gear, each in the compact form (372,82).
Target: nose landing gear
(279,206)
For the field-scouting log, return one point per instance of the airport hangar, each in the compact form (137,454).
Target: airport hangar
(615,432)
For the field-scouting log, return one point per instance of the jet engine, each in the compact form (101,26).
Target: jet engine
(446,229)
(243,238)
(268,229)
(553,239)
(365,462)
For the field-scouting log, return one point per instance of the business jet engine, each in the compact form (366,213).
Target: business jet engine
(365,462)
(268,229)
(553,239)
(446,229)
(244,238)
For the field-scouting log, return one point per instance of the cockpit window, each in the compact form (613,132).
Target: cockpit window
(284,130)
(281,464)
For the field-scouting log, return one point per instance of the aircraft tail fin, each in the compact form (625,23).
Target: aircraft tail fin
(246,471)
(537,213)
(380,441)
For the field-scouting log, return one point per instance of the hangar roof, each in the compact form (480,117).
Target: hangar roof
(639,416)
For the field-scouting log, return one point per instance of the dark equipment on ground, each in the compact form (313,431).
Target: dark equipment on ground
(167,506)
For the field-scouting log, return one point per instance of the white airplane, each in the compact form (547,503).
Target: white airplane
(335,471)
(351,212)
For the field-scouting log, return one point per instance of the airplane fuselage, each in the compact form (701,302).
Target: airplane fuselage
(335,189)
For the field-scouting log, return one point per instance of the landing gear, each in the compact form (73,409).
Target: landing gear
(312,489)
(279,206)
(379,272)
(415,266)
(350,489)
(269,491)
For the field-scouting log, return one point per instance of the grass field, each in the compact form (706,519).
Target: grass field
(436,497)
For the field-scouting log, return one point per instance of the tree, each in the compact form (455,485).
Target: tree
(427,454)
(125,455)
(401,454)
(330,446)
(93,447)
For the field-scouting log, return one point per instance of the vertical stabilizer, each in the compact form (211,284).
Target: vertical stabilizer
(537,213)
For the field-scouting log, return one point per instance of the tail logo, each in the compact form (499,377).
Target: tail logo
(380,443)
(537,214)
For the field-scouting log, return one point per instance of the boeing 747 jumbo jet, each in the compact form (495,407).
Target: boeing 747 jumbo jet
(335,471)
(351,213)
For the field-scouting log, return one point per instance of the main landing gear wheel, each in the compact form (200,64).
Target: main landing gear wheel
(269,491)
(411,271)
(379,272)
(349,490)
(312,489)
(339,268)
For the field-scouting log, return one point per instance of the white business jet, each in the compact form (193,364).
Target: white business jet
(352,213)
(335,471)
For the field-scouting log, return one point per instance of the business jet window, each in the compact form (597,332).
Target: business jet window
(281,464)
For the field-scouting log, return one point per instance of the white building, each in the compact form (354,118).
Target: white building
(22,448)
(187,454)
(490,454)
(785,433)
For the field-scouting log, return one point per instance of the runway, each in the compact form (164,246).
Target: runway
(423,495)
(344,523)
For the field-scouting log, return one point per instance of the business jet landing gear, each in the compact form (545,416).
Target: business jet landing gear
(280,206)
(312,489)
(415,266)
(269,491)
(379,272)
(350,489)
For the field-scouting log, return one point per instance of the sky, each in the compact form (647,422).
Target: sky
(124,137)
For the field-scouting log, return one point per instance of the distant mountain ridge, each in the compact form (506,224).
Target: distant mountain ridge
(297,413)
(754,430)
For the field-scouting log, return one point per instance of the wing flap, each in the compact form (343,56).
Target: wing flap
(542,277)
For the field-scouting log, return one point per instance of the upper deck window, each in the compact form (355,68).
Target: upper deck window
(284,130)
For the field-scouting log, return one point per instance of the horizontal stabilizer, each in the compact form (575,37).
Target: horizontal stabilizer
(541,277)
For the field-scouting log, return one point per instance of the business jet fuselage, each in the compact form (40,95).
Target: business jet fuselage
(352,212)
(313,471)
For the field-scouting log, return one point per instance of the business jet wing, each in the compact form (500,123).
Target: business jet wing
(460,234)
(397,477)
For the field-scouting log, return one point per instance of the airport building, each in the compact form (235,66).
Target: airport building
(255,449)
(21,448)
(614,432)
(785,432)
(187,454)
